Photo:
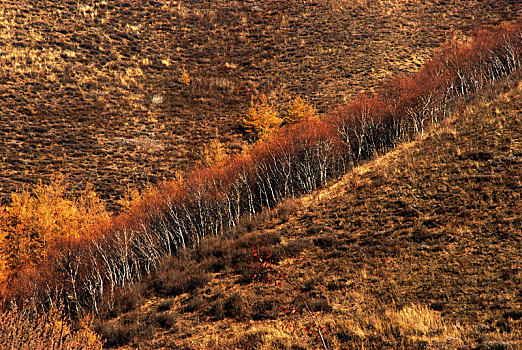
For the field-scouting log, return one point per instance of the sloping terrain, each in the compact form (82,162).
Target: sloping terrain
(126,93)
(419,248)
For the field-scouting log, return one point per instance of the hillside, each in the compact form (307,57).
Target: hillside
(419,248)
(125,93)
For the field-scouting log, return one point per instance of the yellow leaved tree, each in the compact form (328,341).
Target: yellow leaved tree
(299,110)
(214,153)
(262,118)
(36,219)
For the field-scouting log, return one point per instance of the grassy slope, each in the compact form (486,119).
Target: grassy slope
(92,88)
(420,246)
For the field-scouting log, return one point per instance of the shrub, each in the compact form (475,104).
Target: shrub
(296,246)
(217,309)
(115,335)
(173,282)
(321,304)
(325,242)
(236,307)
(166,320)
(285,209)
(124,300)
(165,306)
(194,304)
(264,309)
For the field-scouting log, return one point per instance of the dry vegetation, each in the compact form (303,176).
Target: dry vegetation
(69,256)
(161,249)
(27,329)
(125,93)
(417,249)
(411,250)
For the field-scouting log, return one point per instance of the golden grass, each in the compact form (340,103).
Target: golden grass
(411,324)
(24,330)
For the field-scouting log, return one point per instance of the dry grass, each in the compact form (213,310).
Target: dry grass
(414,250)
(24,330)
(136,90)
(410,326)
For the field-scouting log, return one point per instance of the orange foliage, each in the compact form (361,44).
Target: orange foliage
(262,119)
(35,220)
(298,111)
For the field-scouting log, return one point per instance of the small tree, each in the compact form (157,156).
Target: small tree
(262,119)
(299,110)
(214,153)
(184,78)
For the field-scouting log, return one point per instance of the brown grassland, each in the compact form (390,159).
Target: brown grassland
(417,249)
(122,94)
(357,210)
